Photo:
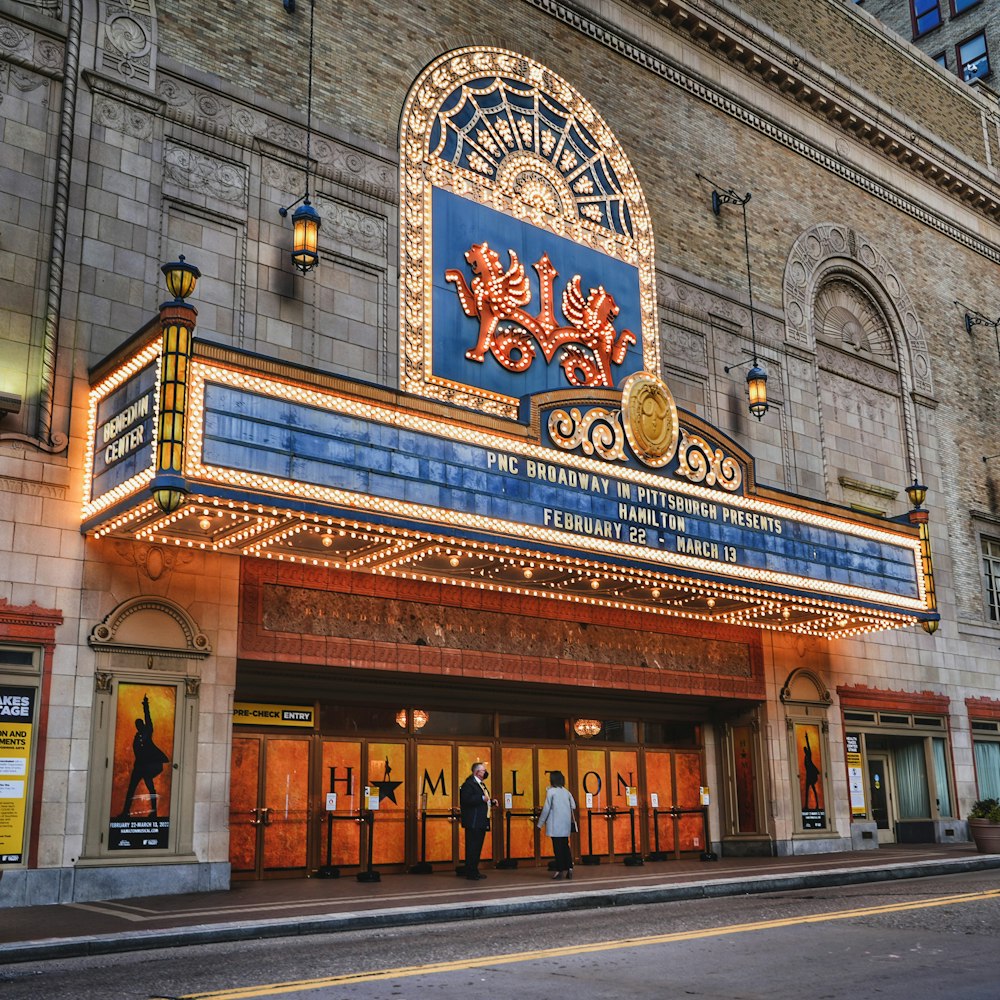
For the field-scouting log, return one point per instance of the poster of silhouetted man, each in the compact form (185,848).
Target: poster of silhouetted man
(141,783)
(809,751)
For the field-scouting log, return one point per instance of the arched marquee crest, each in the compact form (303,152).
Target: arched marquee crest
(526,250)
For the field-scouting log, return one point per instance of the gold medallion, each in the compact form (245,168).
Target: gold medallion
(650,418)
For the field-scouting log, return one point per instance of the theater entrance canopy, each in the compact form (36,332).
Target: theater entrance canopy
(598,496)
(533,448)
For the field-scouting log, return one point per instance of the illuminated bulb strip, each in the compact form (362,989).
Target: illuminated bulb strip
(375,413)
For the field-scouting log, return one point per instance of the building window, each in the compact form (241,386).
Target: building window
(958,6)
(986,750)
(991,568)
(926,15)
(941,59)
(974,58)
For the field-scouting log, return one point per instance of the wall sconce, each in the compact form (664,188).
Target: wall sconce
(587,728)
(418,715)
(757,375)
(177,322)
(305,218)
(975,318)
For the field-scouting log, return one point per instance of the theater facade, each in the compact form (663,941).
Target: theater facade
(538,525)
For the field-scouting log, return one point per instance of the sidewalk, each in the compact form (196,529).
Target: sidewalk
(292,907)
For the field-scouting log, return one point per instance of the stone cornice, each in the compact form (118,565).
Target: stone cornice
(960,179)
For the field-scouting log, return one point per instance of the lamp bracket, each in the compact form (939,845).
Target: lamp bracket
(730,197)
(283,212)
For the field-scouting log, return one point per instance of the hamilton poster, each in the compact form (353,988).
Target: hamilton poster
(810,760)
(142,772)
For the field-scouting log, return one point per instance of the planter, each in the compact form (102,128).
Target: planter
(986,834)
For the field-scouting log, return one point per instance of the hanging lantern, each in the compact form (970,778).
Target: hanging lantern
(757,390)
(587,728)
(305,237)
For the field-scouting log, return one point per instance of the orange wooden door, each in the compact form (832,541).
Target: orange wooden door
(269,806)
(244,789)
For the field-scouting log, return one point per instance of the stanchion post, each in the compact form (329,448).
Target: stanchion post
(633,860)
(423,866)
(507,862)
(657,854)
(590,858)
(369,875)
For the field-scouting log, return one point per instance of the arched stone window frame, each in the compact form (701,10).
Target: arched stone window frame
(145,640)
(807,701)
(828,252)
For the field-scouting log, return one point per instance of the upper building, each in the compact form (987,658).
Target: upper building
(482,470)
(956,34)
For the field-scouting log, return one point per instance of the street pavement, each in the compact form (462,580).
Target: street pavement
(293,907)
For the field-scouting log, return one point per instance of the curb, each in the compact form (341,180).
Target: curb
(250,930)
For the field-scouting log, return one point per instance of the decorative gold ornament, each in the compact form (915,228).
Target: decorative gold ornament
(650,418)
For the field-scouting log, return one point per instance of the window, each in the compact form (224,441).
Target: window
(958,6)
(941,59)
(926,14)
(987,756)
(991,568)
(974,58)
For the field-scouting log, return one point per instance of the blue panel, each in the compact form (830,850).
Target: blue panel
(458,224)
(246,432)
(124,433)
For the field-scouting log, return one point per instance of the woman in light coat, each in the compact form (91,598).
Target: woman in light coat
(558,818)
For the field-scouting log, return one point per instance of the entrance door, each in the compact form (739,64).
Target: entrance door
(880,797)
(269,806)
(677,822)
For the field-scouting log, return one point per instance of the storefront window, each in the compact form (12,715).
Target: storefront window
(911,779)
(673,734)
(458,724)
(941,777)
(532,727)
(987,753)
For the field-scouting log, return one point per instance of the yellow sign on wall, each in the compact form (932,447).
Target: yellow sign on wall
(16,718)
(250,713)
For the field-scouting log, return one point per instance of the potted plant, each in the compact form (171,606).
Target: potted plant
(984,825)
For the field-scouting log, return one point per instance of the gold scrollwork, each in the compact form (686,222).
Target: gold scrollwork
(699,462)
(598,431)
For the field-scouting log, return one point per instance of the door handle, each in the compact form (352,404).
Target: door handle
(265,816)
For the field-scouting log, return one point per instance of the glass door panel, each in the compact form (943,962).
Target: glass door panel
(518,781)
(627,828)
(660,782)
(467,756)
(385,776)
(691,832)
(243,794)
(341,773)
(552,759)
(591,769)
(285,809)
(436,789)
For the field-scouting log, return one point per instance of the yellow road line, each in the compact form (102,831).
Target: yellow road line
(275,989)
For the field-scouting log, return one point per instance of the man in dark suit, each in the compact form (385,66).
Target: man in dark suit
(474,800)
